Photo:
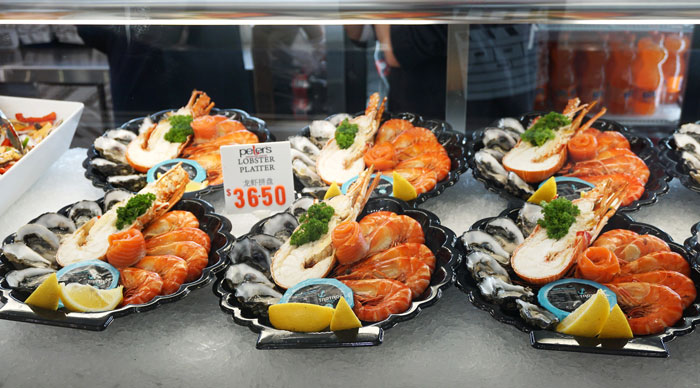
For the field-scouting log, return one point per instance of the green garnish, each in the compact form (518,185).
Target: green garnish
(314,224)
(543,130)
(179,128)
(137,206)
(559,215)
(345,134)
(25,142)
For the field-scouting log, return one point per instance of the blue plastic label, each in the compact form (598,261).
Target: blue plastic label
(194,170)
(323,292)
(566,295)
(96,273)
(385,186)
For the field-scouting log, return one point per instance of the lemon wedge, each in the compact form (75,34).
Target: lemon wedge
(546,192)
(194,186)
(343,317)
(86,298)
(616,326)
(403,189)
(588,318)
(332,191)
(303,317)
(46,295)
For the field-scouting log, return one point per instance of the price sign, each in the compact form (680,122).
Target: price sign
(257,176)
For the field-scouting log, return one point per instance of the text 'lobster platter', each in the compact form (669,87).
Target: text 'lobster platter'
(95,260)
(515,156)
(337,272)
(579,277)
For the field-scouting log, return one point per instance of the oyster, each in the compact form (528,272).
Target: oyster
(111,149)
(498,291)
(528,216)
(39,239)
(490,167)
(301,205)
(304,145)
(517,186)
(281,225)
(691,160)
(271,243)
(506,232)
(496,137)
(320,131)
(134,182)
(57,223)
(511,124)
(691,129)
(536,315)
(482,265)
(251,252)
(238,274)
(257,297)
(481,241)
(22,256)
(109,168)
(338,118)
(28,279)
(113,197)
(686,142)
(83,212)
(121,135)
(496,152)
(296,154)
(306,174)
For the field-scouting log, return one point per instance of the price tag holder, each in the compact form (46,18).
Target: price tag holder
(257,176)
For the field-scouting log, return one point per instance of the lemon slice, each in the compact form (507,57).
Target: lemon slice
(403,189)
(194,186)
(546,192)
(46,295)
(343,317)
(300,316)
(333,191)
(588,318)
(85,298)
(616,326)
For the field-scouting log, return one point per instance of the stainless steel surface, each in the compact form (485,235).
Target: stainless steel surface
(192,343)
(347,11)
(456,76)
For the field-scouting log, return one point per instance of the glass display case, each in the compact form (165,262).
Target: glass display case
(473,75)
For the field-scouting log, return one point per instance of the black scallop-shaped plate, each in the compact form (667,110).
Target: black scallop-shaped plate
(675,167)
(692,244)
(217,227)
(648,346)
(454,143)
(253,124)
(439,239)
(656,186)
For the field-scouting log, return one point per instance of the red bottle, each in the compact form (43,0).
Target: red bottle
(675,67)
(647,75)
(562,81)
(619,72)
(591,58)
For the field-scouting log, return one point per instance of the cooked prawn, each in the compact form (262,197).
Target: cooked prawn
(679,283)
(172,270)
(617,164)
(609,153)
(194,254)
(437,162)
(126,248)
(140,286)
(615,239)
(386,229)
(611,139)
(413,250)
(657,261)
(633,187)
(650,308)
(170,221)
(412,272)
(376,299)
(643,245)
(412,136)
(416,149)
(391,129)
(422,179)
(182,234)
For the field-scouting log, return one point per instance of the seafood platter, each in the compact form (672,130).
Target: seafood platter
(680,153)
(34,133)
(577,276)
(138,151)
(377,262)
(514,156)
(427,153)
(127,252)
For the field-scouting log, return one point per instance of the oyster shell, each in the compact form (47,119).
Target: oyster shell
(506,232)
(109,168)
(306,174)
(301,205)
(498,291)
(251,252)
(496,137)
(113,197)
(536,315)
(482,265)
(39,239)
(28,279)
(22,256)
(490,167)
(238,274)
(511,124)
(257,297)
(134,182)
(281,225)
(517,186)
(528,216)
(57,223)
(83,212)
(271,243)
(111,149)
(686,142)
(121,135)
(304,145)
(481,241)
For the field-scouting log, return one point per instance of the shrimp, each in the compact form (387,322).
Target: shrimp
(391,129)
(629,164)
(679,283)
(643,245)
(650,308)
(413,250)
(349,243)
(172,270)
(412,272)
(376,299)
(194,254)
(437,162)
(126,248)
(170,221)
(419,148)
(183,234)
(597,264)
(422,179)
(615,239)
(140,286)
(609,153)
(611,139)
(386,229)
(412,136)
(669,261)
(633,190)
